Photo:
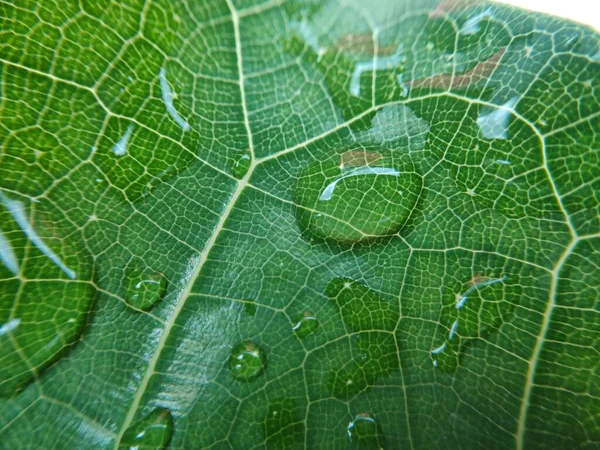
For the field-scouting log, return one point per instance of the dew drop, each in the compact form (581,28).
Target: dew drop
(241,164)
(144,289)
(365,433)
(358,196)
(247,361)
(153,432)
(306,326)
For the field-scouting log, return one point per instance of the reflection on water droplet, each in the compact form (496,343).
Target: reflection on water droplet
(167,96)
(42,312)
(374,64)
(247,361)
(241,164)
(7,255)
(153,432)
(476,314)
(365,433)
(360,196)
(494,125)
(473,25)
(144,288)
(306,326)
(9,326)
(120,148)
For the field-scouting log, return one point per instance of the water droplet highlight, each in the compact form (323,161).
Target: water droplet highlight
(241,164)
(120,148)
(167,96)
(365,433)
(153,432)
(306,326)
(361,195)
(476,314)
(247,361)
(494,125)
(144,289)
(7,255)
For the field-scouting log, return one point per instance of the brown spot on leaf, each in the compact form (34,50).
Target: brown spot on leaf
(358,158)
(480,72)
(447,6)
(365,44)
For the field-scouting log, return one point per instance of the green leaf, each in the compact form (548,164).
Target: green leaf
(163,221)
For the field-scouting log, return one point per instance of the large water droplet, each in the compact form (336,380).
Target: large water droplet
(241,164)
(247,361)
(357,196)
(153,432)
(306,326)
(365,433)
(144,288)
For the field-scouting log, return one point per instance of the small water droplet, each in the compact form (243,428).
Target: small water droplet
(153,432)
(241,164)
(247,361)
(144,288)
(365,433)
(306,326)
(357,196)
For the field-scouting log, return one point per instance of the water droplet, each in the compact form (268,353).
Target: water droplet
(365,433)
(153,432)
(241,164)
(360,195)
(284,425)
(43,293)
(476,313)
(144,289)
(473,24)
(167,96)
(494,125)
(120,148)
(306,326)
(247,361)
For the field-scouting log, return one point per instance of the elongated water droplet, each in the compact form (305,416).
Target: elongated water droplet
(476,314)
(42,312)
(247,361)
(360,195)
(144,288)
(241,164)
(365,433)
(153,432)
(306,326)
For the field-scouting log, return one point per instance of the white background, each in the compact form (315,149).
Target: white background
(584,11)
